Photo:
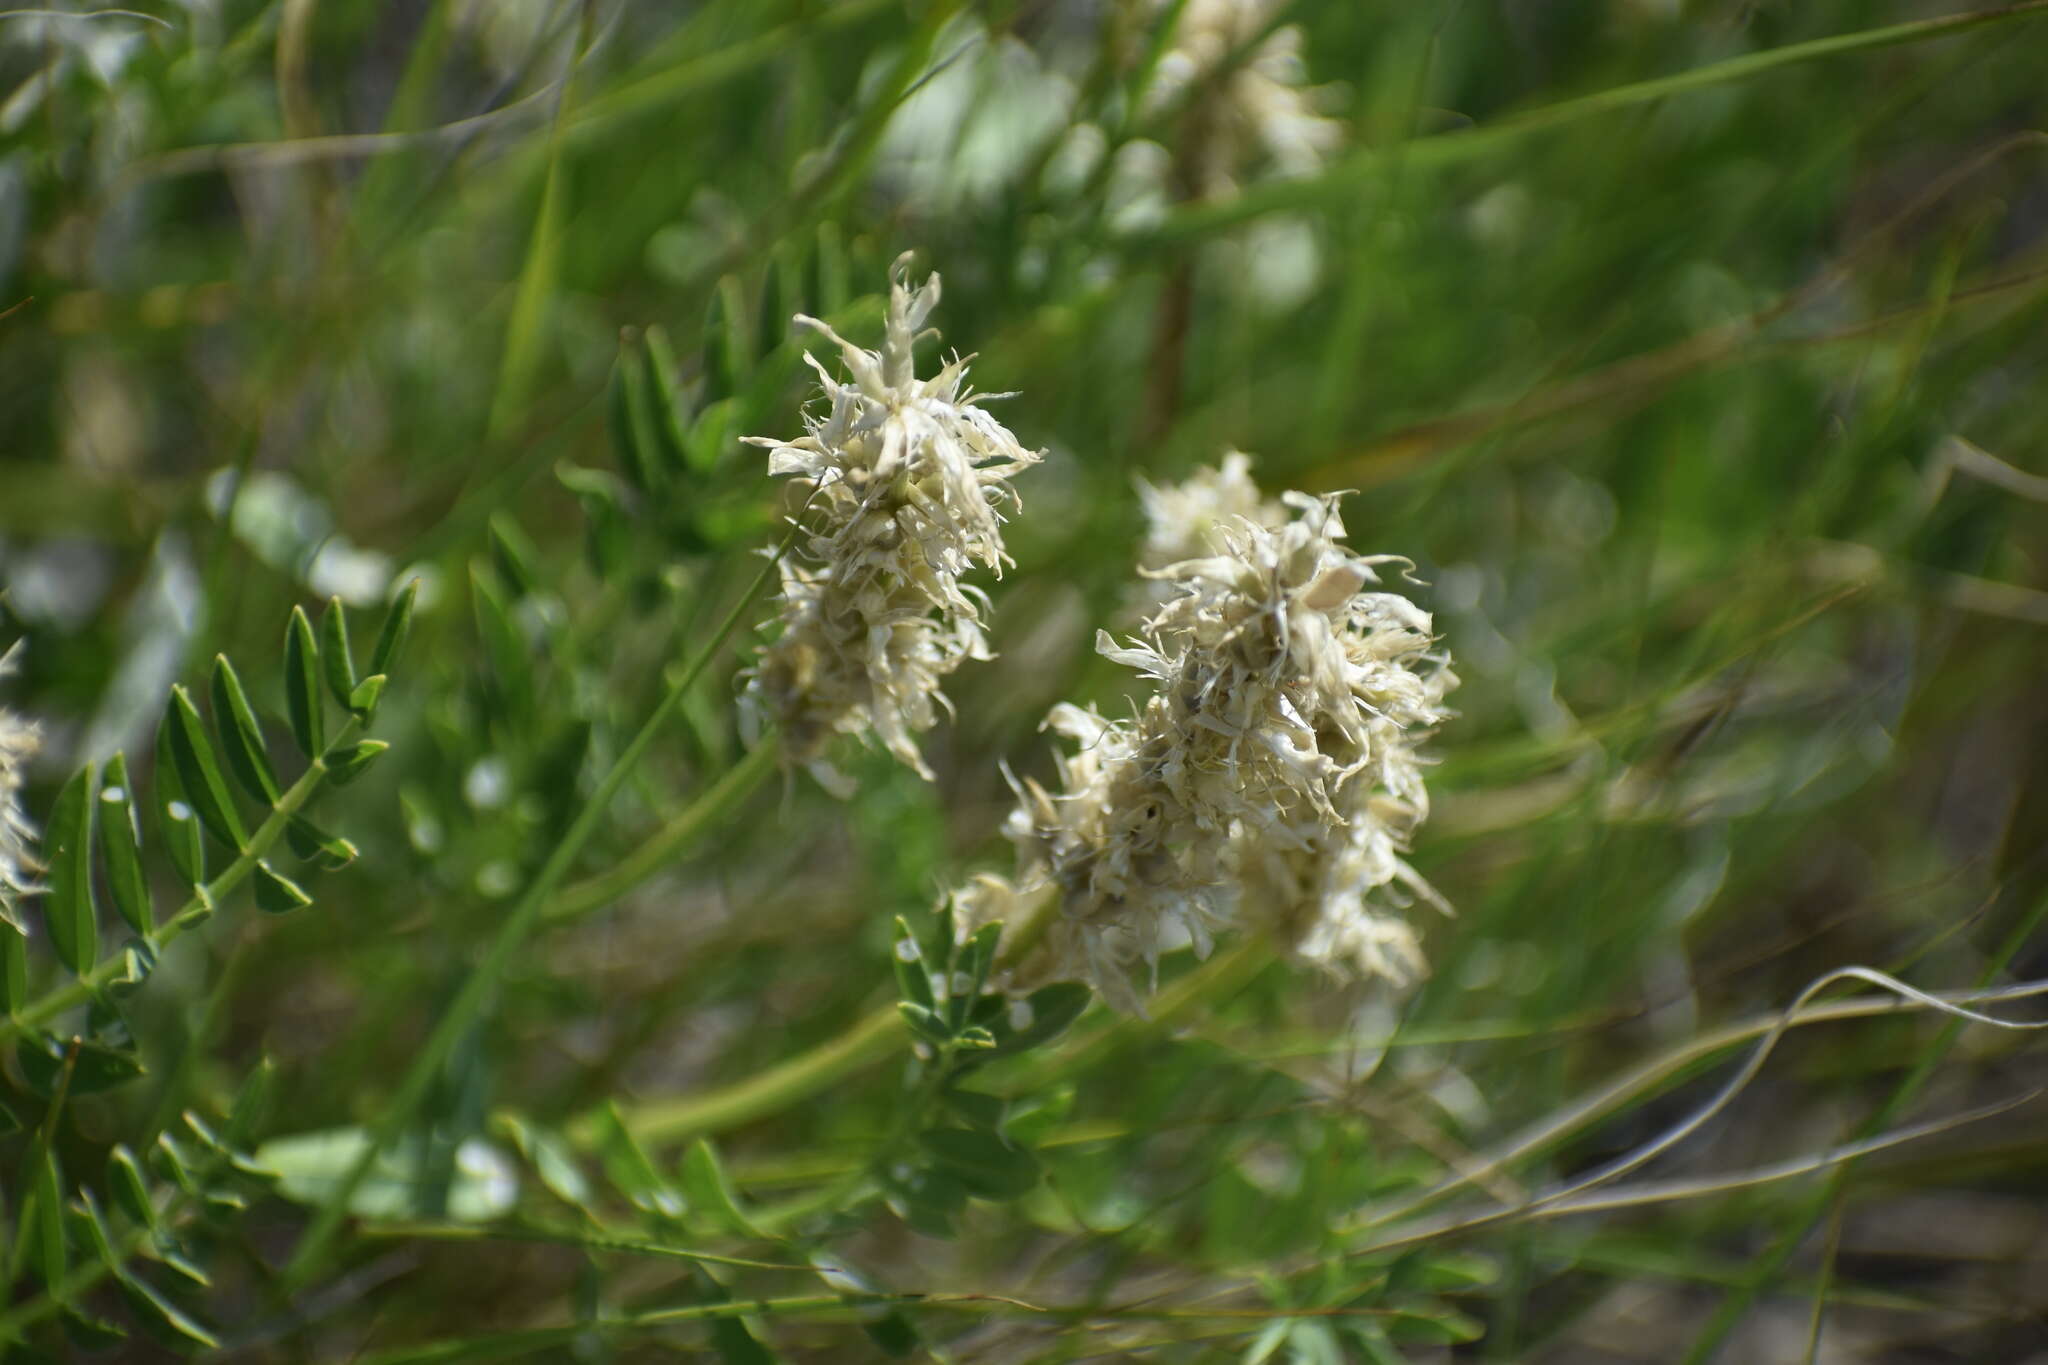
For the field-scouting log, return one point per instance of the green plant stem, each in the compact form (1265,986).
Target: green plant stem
(195,911)
(662,846)
(868,1040)
(469,1001)
(873,1037)
(877,1035)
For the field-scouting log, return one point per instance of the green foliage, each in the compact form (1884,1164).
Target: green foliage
(1691,353)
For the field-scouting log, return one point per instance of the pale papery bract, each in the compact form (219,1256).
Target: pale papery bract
(903,478)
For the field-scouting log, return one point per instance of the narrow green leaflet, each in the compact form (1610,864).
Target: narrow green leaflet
(252,1102)
(278,895)
(154,1310)
(623,401)
(87,1218)
(335,660)
(363,701)
(346,765)
(709,1191)
(130,1187)
(925,1023)
(68,907)
(240,735)
(983,1162)
(631,1171)
(87,1332)
(302,684)
(121,842)
(13,968)
(971,973)
(95,1066)
(503,642)
(396,630)
(913,977)
(671,430)
(177,821)
(138,961)
(48,1225)
(199,772)
(725,348)
(551,1159)
(513,554)
(1043,1015)
(315,845)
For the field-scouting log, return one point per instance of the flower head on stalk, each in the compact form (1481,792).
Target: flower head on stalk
(19,740)
(1271,778)
(903,479)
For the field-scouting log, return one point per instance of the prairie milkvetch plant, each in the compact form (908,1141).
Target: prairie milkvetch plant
(903,479)
(1270,780)
(19,740)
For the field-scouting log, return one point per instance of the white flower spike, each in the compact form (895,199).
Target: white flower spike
(1271,779)
(904,478)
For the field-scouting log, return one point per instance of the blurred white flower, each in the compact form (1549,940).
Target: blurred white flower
(965,132)
(19,740)
(1272,777)
(1259,114)
(903,478)
(1185,520)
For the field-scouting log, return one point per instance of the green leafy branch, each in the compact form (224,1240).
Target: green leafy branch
(96,812)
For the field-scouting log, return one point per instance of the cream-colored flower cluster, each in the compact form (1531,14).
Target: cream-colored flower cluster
(1270,779)
(1260,112)
(19,740)
(903,478)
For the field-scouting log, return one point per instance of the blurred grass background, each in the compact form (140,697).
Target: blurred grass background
(1703,385)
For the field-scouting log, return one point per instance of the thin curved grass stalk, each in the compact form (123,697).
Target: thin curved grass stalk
(660,848)
(1561,1205)
(1954,1004)
(1772,1261)
(581,1238)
